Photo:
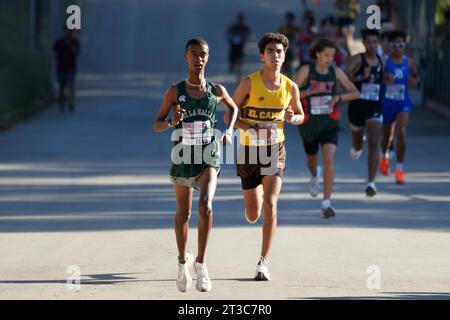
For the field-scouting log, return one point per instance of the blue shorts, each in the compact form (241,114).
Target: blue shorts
(66,78)
(391,109)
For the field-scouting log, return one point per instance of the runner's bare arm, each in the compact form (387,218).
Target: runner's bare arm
(240,98)
(301,78)
(353,66)
(294,114)
(414,78)
(224,97)
(170,99)
(352,91)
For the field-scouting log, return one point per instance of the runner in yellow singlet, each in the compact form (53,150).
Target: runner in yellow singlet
(266,100)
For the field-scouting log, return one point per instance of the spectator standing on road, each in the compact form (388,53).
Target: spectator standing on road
(389,10)
(347,12)
(66,50)
(290,30)
(305,38)
(237,35)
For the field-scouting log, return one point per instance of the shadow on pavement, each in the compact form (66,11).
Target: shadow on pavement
(391,296)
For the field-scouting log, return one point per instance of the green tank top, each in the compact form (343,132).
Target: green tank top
(196,148)
(319,116)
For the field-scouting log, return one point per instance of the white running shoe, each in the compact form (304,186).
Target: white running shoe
(184,279)
(355,154)
(327,210)
(314,187)
(262,270)
(203,282)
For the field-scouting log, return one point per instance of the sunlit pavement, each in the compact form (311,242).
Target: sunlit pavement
(90,192)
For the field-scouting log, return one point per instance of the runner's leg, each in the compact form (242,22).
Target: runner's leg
(208,183)
(374,129)
(328,151)
(402,124)
(271,186)
(253,201)
(387,137)
(357,138)
(184,206)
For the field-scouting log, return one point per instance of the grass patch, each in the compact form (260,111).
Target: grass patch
(24,71)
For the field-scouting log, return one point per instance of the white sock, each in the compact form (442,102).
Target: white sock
(326,203)
(318,172)
(400,166)
(371,184)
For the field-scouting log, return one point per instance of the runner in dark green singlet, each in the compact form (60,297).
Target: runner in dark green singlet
(318,82)
(195,156)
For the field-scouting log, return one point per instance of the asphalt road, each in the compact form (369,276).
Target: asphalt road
(91,189)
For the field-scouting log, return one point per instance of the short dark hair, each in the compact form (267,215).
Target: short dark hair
(319,45)
(195,42)
(397,34)
(369,32)
(290,15)
(273,37)
(385,35)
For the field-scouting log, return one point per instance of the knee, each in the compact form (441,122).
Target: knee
(270,207)
(311,160)
(328,161)
(183,216)
(401,134)
(372,144)
(252,215)
(205,207)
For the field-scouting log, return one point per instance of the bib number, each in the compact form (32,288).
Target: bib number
(196,133)
(321,105)
(370,91)
(395,92)
(267,134)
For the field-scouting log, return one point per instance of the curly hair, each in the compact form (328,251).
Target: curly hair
(319,45)
(273,37)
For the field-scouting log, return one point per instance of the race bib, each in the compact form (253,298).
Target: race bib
(197,133)
(267,135)
(321,105)
(370,91)
(395,92)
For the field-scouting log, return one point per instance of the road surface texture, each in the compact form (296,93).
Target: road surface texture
(91,189)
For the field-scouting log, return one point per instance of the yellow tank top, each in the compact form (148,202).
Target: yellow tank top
(266,108)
